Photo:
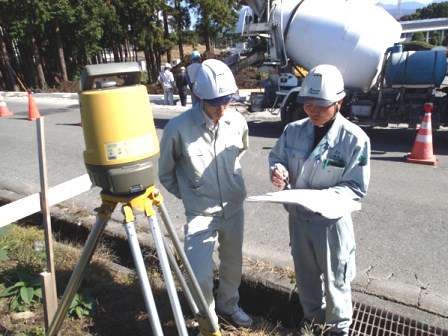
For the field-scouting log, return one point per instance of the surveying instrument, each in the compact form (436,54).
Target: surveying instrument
(121,158)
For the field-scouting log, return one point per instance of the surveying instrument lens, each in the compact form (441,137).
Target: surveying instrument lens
(121,158)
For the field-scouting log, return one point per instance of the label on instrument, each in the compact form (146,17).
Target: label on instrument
(130,148)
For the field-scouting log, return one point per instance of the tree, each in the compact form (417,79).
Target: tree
(213,17)
(62,13)
(5,65)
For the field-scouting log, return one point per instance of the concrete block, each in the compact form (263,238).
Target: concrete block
(361,282)
(394,291)
(434,303)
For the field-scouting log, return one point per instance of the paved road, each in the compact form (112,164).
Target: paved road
(402,231)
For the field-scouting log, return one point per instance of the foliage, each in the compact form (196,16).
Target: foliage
(20,245)
(416,45)
(82,305)
(432,11)
(25,294)
(3,254)
(40,38)
(214,17)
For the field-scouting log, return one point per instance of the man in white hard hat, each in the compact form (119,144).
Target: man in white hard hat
(166,79)
(323,151)
(199,162)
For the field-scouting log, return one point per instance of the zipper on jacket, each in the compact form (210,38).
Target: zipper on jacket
(215,137)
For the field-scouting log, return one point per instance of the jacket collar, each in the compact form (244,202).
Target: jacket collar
(332,133)
(199,118)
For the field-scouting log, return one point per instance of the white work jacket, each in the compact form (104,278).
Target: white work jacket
(340,162)
(203,167)
(166,78)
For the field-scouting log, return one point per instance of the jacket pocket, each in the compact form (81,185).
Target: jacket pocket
(326,175)
(296,159)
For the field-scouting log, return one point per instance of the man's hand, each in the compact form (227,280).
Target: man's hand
(279,176)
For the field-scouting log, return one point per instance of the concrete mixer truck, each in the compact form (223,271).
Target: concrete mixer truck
(386,83)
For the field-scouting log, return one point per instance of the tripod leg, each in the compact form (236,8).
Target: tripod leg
(181,279)
(143,279)
(212,327)
(78,273)
(169,281)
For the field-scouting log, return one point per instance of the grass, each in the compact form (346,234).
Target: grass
(120,308)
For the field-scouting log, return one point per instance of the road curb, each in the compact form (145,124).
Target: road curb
(74,95)
(264,273)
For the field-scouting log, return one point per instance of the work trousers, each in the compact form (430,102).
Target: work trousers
(182,96)
(168,98)
(324,262)
(201,234)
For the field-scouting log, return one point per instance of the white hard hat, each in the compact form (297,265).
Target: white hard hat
(324,84)
(167,66)
(214,79)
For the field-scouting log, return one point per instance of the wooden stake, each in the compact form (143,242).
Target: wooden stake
(50,300)
(50,291)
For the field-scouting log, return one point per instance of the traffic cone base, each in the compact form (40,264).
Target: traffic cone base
(4,111)
(33,111)
(422,150)
(431,161)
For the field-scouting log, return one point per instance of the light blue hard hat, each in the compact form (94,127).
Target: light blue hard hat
(195,55)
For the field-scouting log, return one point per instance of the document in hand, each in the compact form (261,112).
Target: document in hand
(324,202)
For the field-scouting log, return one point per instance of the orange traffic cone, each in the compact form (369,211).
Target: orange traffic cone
(33,111)
(4,112)
(422,149)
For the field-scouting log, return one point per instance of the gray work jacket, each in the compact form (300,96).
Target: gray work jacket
(202,167)
(340,162)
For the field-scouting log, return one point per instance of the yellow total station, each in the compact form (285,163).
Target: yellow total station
(118,125)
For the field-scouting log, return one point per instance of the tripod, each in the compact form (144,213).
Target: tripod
(145,203)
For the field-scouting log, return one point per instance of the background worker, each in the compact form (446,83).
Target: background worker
(182,84)
(200,163)
(192,70)
(166,79)
(323,151)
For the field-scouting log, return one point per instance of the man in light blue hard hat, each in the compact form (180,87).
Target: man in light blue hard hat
(323,151)
(199,163)
(192,70)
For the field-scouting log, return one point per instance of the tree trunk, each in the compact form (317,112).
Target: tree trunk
(178,18)
(206,33)
(166,34)
(153,61)
(62,64)
(116,56)
(149,66)
(120,48)
(38,64)
(135,52)
(6,68)
(26,69)
(126,51)
(158,57)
